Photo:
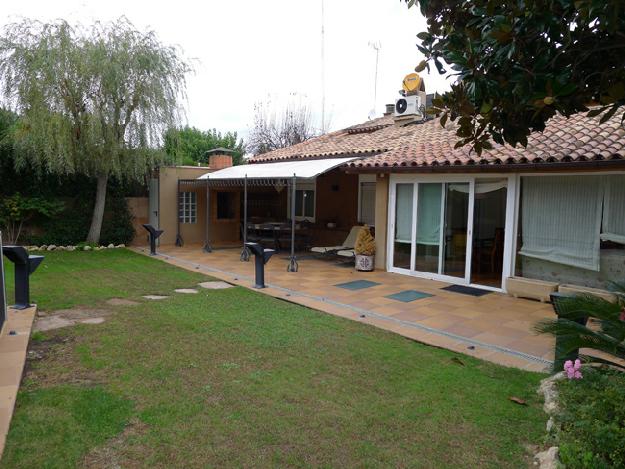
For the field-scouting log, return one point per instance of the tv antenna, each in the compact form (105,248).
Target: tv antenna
(323,69)
(376,46)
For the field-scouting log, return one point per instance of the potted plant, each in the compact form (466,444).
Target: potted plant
(365,250)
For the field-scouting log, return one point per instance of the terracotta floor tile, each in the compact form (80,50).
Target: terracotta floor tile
(494,318)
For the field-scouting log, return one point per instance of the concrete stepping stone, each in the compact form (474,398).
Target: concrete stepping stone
(155,297)
(186,290)
(215,285)
(92,321)
(52,322)
(121,302)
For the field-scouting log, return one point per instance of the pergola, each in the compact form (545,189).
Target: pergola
(286,174)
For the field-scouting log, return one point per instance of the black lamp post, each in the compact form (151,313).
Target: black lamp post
(262,257)
(154,234)
(25,265)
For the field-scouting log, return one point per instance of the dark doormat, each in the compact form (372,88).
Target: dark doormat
(466,290)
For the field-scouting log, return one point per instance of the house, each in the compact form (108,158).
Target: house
(554,211)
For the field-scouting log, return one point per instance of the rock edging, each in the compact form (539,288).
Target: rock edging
(54,247)
(550,458)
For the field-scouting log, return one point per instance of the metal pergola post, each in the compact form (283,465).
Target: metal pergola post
(207,246)
(245,252)
(292,260)
(179,242)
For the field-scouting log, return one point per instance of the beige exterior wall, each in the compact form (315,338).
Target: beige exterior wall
(168,205)
(138,207)
(381,220)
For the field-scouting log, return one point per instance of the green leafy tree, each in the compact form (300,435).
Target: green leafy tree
(93,101)
(519,63)
(16,210)
(608,338)
(188,145)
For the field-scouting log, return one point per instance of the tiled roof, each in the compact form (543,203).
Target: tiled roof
(382,144)
(371,137)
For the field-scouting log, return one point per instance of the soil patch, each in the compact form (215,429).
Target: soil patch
(70,317)
(109,455)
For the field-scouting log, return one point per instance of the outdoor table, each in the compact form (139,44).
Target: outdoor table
(275,229)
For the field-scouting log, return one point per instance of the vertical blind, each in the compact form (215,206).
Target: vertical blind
(429,214)
(561,219)
(403,213)
(613,228)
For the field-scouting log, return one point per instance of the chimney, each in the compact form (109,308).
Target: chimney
(219,158)
(390,109)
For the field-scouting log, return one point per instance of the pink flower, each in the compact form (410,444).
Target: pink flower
(573,369)
(622,315)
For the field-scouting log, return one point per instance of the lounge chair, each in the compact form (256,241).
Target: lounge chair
(348,244)
(346,253)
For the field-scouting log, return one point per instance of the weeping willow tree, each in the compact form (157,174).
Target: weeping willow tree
(92,100)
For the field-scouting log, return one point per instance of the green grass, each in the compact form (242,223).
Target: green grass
(236,378)
(67,279)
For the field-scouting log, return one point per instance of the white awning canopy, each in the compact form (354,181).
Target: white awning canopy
(302,169)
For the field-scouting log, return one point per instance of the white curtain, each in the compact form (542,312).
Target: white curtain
(403,213)
(561,219)
(429,214)
(613,228)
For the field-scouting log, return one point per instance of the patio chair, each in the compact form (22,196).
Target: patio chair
(348,244)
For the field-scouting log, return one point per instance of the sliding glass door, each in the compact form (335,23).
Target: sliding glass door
(450,230)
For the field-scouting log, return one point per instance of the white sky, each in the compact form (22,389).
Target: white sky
(248,51)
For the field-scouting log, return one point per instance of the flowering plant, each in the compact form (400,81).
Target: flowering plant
(573,369)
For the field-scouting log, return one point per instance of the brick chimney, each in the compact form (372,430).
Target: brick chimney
(219,158)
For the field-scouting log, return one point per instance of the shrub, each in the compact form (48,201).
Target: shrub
(592,420)
(71,226)
(608,338)
(117,226)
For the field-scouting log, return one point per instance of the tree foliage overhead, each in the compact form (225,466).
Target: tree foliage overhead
(93,101)
(521,62)
(188,145)
(279,129)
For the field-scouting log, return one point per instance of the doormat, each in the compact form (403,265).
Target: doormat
(407,296)
(357,284)
(466,290)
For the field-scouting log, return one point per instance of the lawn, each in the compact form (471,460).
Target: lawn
(236,378)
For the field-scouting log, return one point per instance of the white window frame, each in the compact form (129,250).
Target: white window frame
(187,210)
(303,186)
(364,178)
(510,228)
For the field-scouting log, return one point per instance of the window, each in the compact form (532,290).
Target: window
(225,205)
(187,210)
(304,202)
(367,203)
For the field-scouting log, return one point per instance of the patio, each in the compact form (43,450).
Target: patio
(493,326)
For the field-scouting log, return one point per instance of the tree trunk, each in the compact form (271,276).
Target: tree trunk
(98,211)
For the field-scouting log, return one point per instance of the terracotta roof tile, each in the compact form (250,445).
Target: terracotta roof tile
(383,144)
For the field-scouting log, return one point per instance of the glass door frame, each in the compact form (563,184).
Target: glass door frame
(511,211)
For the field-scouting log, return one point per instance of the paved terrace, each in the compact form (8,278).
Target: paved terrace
(493,327)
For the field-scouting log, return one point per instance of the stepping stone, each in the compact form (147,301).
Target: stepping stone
(121,302)
(217,285)
(154,297)
(52,322)
(186,290)
(92,321)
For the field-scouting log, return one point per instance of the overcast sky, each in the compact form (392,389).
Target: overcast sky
(247,51)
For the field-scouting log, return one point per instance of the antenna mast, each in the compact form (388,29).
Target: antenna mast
(323,69)
(376,45)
